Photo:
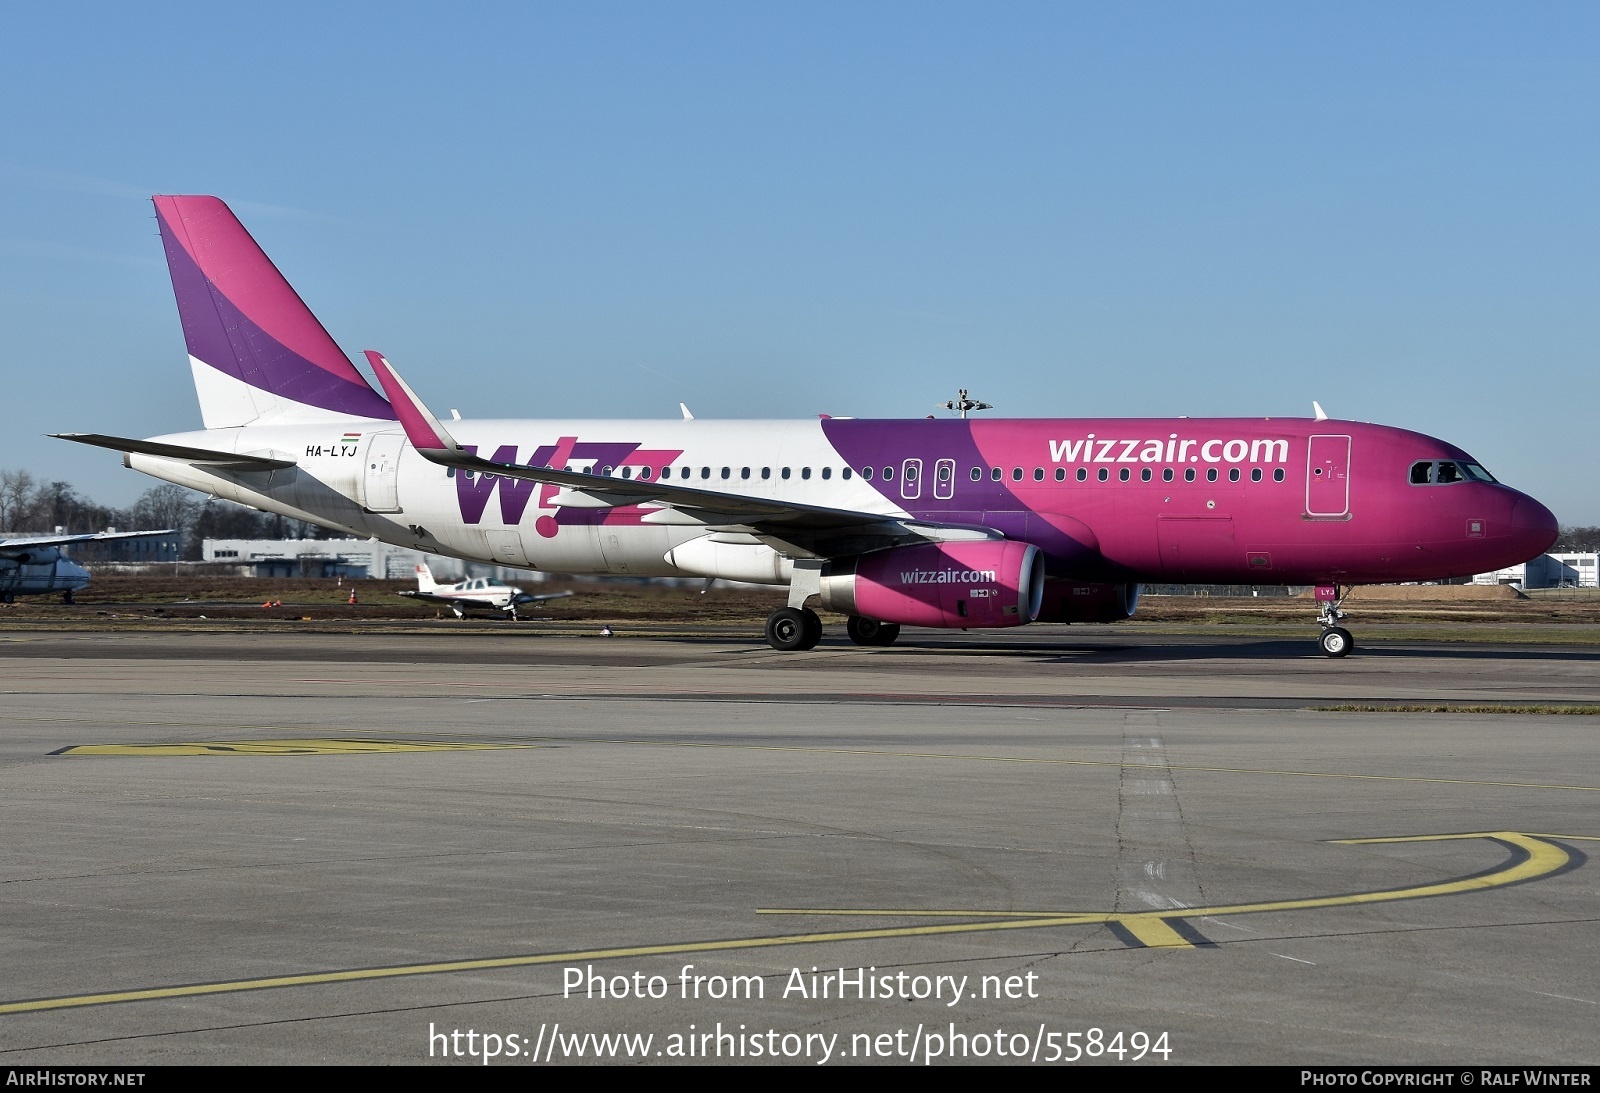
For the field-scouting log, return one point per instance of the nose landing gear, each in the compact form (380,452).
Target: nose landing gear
(1335,640)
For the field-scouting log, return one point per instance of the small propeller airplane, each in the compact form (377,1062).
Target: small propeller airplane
(35,566)
(475,594)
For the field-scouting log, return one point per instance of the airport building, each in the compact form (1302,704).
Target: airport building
(352,558)
(1549,571)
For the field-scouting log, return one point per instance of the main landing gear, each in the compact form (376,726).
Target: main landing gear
(793,628)
(871,631)
(1335,640)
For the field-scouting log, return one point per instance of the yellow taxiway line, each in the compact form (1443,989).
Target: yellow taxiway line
(1533,856)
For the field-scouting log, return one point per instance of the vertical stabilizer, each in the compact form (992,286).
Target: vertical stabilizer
(425,581)
(259,355)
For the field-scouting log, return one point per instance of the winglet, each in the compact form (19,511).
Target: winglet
(422,428)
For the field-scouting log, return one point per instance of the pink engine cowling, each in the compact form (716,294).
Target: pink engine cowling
(987,584)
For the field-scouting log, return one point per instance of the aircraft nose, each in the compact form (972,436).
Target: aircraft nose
(1533,526)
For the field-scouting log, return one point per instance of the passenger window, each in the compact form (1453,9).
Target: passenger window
(727,472)
(1061,474)
(1233,474)
(1123,474)
(977,474)
(888,474)
(786,472)
(705,472)
(1277,475)
(995,474)
(1016,474)
(1083,474)
(766,472)
(845,473)
(744,472)
(1211,474)
(1104,474)
(1255,474)
(606,471)
(1038,474)
(805,472)
(944,472)
(1421,473)
(1188,474)
(1144,475)
(627,472)
(827,472)
(866,472)
(1166,474)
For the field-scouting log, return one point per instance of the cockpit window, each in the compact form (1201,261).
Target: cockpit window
(1445,472)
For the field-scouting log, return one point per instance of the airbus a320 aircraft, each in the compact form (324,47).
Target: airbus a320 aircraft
(943,523)
(475,594)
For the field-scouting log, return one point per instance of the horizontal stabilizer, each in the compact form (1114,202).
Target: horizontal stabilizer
(226,461)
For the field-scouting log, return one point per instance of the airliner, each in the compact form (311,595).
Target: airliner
(475,594)
(953,523)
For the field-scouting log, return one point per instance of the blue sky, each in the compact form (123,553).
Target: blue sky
(599,210)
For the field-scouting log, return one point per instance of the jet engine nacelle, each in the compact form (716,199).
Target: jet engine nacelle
(1074,601)
(984,584)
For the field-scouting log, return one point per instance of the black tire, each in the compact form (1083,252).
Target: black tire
(1336,642)
(787,629)
(813,628)
(871,632)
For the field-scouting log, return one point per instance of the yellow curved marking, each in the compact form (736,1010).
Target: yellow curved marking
(303,746)
(1152,929)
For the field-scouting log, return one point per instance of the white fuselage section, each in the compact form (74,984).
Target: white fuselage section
(364,478)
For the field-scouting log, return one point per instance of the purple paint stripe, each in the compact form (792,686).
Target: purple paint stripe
(222,336)
(879,444)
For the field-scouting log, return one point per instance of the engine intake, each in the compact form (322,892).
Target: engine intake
(950,585)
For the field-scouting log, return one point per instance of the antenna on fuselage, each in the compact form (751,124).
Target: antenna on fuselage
(1317,407)
(962,405)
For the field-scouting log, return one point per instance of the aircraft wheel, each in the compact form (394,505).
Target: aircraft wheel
(6,597)
(1336,642)
(787,629)
(813,628)
(871,631)
(66,597)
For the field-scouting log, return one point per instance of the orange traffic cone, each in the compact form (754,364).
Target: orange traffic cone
(352,595)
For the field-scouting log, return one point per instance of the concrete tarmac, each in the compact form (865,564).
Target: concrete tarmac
(253,847)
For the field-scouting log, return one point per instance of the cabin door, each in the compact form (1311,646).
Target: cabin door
(380,473)
(1328,476)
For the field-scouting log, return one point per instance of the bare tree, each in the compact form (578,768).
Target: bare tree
(16,496)
(166,506)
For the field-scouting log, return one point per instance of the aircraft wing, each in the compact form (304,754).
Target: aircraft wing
(227,461)
(809,529)
(459,601)
(7,545)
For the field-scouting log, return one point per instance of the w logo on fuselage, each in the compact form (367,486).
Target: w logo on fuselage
(567,453)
